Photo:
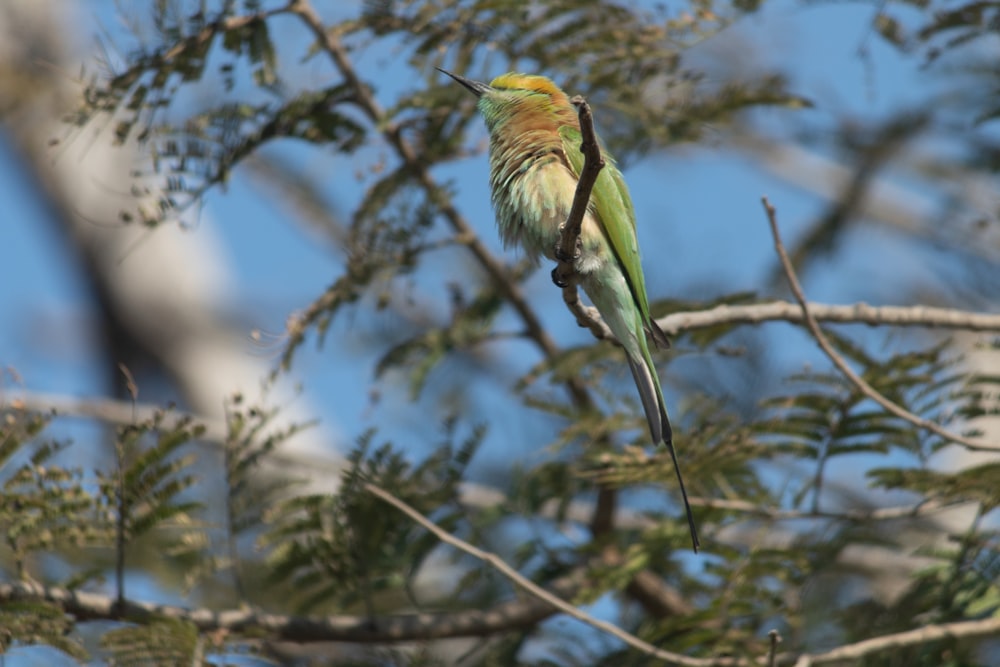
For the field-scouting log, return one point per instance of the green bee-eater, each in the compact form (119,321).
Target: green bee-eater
(535,163)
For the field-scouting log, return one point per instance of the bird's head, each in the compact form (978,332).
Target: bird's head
(514,94)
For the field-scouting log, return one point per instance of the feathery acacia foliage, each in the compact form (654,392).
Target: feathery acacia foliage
(591,514)
(167,642)
(44,505)
(334,552)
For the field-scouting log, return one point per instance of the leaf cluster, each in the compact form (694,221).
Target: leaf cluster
(145,491)
(45,505)
(168,642)
(334,551)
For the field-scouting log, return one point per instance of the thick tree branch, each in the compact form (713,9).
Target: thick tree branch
(839,361)
(126,413)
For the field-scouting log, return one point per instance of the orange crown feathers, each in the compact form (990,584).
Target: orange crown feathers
(532,82)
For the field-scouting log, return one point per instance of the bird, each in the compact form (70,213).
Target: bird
(535,164)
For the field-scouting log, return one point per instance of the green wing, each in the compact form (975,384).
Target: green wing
(614,209)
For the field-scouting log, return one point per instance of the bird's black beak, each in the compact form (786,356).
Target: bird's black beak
(475,87)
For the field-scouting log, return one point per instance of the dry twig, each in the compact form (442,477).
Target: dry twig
(856,313)
(534,589)
(987,627)
(859,382)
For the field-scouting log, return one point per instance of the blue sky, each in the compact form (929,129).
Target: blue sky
(700,226)
(700,223)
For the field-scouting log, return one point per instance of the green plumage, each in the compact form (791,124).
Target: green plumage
(535,163)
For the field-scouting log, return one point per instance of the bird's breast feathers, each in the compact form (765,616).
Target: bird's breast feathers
(533,201)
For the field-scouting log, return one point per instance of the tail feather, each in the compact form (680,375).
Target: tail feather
(659,427)
(656,333)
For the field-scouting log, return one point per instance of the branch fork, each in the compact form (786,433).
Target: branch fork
(972,444)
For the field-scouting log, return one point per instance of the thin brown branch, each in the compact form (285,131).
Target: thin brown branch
(532,588)
(988,627)
(193,43)
(785,311)
(860,383)
(966,629)
(108,410)
(923,508)
(567,250)
(587,317)
(658,599)
(858,313)
(516,614)
(593,163)
(564,275)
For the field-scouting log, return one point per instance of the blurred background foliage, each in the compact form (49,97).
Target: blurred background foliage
(206,90)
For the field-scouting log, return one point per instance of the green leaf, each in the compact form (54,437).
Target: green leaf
(33,622)
(165,642)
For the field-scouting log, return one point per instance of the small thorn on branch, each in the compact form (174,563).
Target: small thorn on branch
(569,249)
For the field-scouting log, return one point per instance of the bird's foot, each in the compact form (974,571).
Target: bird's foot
(564,256)
(560,278)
